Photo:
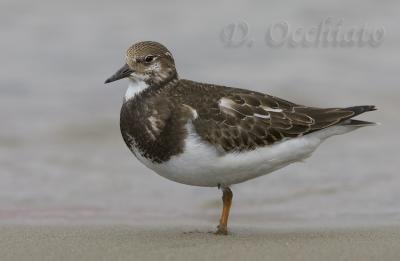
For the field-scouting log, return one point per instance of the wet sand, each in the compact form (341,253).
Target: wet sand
(111,242)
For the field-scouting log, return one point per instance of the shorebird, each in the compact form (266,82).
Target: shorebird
(215,136)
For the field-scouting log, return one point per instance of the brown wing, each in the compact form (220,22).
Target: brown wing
(236,119)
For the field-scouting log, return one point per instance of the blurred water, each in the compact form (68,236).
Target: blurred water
(61,155)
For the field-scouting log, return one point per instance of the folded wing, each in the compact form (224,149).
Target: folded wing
(244,120)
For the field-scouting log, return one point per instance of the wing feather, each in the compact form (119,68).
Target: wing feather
(236,119)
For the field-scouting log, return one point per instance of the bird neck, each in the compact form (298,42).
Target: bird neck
(148,87)
(162,78)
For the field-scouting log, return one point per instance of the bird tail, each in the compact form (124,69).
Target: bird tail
(358,110)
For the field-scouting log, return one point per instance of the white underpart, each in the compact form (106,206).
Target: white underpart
(135,87)
(201,164)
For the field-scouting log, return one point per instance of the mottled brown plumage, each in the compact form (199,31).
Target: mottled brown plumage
(230,119)
(163,116)
(248,120)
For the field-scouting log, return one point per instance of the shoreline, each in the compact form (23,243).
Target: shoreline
(131,242)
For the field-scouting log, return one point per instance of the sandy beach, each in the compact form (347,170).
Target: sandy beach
(111,242)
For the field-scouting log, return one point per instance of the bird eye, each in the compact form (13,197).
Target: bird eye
(149,58)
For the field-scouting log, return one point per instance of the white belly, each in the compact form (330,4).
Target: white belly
(202,165)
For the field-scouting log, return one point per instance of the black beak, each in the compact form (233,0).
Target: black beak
(124,72)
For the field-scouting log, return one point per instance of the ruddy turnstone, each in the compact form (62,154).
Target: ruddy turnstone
(215,136)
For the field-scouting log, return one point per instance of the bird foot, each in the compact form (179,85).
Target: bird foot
(221,231)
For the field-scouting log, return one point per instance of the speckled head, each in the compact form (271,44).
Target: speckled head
(147,61)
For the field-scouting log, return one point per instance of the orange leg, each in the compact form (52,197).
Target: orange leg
(227,201)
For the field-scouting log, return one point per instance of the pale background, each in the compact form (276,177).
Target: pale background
(62,159)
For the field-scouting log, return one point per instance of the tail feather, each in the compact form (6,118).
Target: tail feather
(361,109)
(358,110)
(359,123)
(347,124)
